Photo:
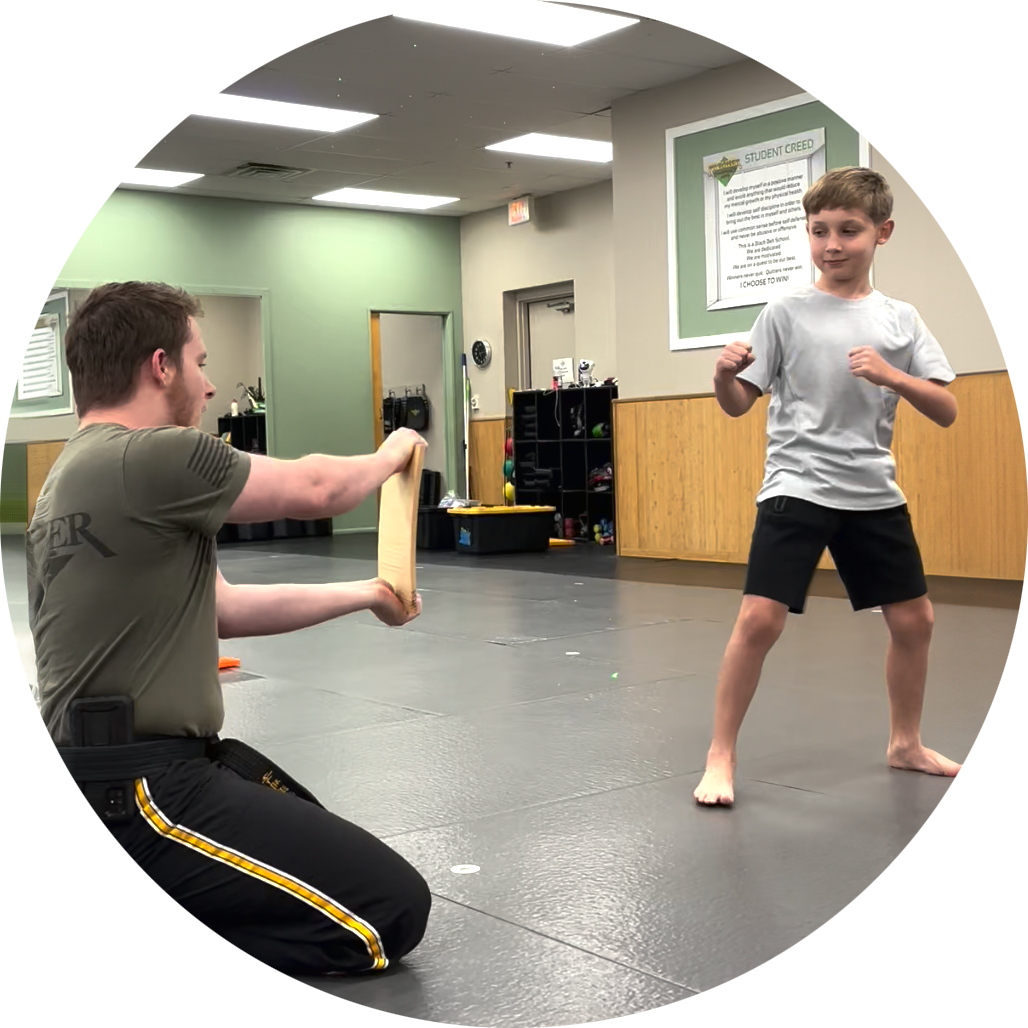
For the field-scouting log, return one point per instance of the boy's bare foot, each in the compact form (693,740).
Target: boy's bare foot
(920,758)
(120,945)
(715,788)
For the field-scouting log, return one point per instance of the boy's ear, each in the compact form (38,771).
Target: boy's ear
(885,232)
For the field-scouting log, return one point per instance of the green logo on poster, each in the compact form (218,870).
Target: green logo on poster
(725,169)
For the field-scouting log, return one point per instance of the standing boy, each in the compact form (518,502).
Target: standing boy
(837,357)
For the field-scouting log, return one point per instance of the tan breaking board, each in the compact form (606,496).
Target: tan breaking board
(398,527)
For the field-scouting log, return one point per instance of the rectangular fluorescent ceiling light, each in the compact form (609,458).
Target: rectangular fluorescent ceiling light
(111,173)
(379,198)
(536,144)
(273,112)
(538,22)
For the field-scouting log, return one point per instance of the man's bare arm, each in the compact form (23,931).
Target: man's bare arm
(318,486)
(257,610)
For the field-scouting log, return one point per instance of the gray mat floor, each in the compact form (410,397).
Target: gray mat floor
(550,729)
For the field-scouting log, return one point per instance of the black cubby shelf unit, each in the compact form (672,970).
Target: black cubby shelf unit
(248,433)
(556,452)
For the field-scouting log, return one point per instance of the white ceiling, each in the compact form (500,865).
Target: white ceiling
(442,95)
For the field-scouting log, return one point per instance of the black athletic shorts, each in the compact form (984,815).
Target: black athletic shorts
(875,552)
(227,872)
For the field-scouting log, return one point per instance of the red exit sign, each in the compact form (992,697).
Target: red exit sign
(519,211)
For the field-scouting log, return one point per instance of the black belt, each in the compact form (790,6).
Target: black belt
(130,760)
(107,758)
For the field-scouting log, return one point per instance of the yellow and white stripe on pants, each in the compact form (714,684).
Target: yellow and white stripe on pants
(309,895)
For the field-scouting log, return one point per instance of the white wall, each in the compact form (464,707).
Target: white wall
(571,240)
(949,84)
(231,330)
(412,355)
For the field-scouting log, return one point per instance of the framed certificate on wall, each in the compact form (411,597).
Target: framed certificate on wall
(736,232)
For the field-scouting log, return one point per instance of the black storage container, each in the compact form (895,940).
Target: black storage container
(435,529)
(502,529)
(431,485)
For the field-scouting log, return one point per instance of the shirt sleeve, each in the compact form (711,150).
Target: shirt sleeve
(927,359)
(765,341)
(183,478)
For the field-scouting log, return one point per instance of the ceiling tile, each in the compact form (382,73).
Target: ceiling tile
(656,41)
(400,37)
(590,126)
(357,144)
(362,94)
(509,89)
(303,187)
(350,164)
(601,70)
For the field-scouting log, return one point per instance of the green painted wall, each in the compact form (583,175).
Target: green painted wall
(14,485)
(322,271)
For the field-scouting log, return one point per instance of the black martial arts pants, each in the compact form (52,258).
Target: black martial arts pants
(228,872)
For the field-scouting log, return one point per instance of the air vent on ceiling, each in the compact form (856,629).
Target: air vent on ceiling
(268,172)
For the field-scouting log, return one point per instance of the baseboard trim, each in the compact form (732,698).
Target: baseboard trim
(970,592)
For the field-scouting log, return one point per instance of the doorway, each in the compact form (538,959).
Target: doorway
(411,358)
(551,337)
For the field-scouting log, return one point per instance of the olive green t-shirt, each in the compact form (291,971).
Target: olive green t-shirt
(122,575)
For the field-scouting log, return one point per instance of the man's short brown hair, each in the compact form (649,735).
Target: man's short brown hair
(845,189)
(116,330)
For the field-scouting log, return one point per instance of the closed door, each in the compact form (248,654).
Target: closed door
(551,336)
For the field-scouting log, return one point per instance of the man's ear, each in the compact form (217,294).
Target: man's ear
(158,367)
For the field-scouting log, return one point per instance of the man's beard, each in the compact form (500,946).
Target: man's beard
(183,413)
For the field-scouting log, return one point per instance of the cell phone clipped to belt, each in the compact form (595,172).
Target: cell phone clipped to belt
(102,721)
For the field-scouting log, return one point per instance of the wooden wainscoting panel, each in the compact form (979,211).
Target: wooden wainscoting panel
(686,477)
(966,484)
(485,459)
(40,459)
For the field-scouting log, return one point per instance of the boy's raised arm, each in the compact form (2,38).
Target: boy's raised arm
(735,397)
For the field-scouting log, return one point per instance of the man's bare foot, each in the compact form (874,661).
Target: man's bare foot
(120,945)
(920,758)
(715,788)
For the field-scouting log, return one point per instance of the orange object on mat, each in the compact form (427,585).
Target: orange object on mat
(227,662)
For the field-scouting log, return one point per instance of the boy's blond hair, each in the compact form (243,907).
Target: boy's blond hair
(851,189)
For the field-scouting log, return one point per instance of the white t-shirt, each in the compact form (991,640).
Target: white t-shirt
(829,432)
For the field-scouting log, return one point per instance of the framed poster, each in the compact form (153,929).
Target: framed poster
(736,233)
